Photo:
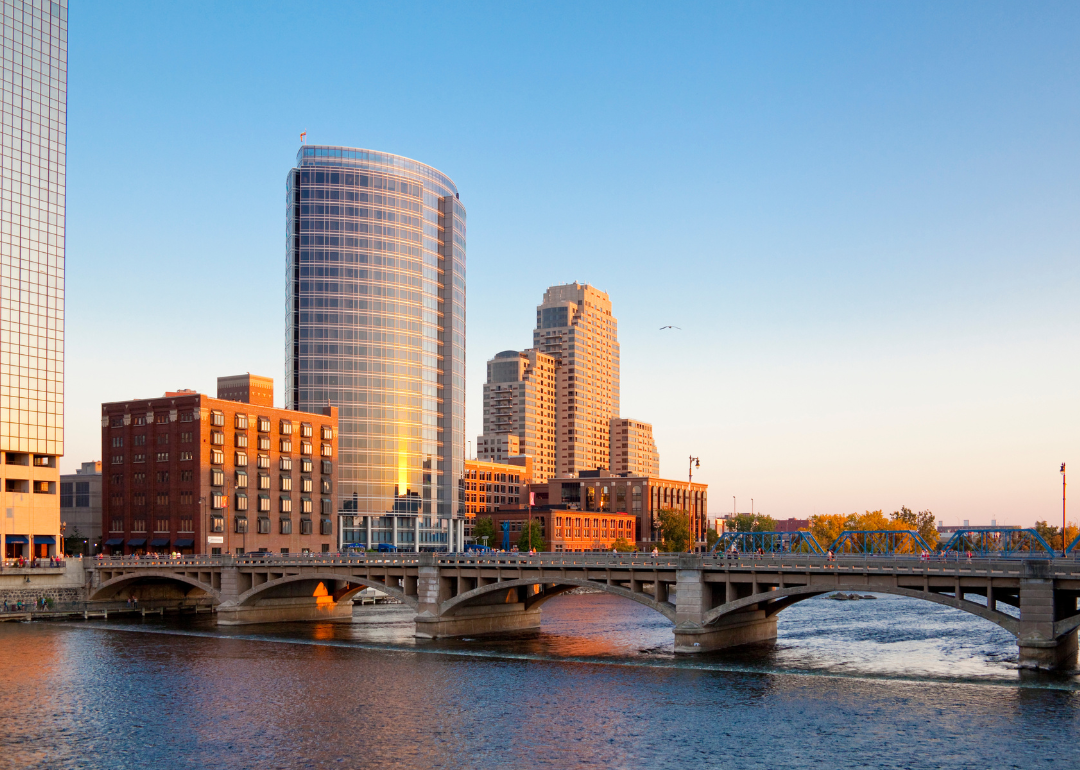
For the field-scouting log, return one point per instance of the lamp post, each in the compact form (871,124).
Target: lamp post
(1064,545)
(695,462)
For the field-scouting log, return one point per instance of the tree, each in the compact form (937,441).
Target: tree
(744,522)
(674,531)
(1050,533)
(484,528)
(622,545)
(525,543)
(826,527)
(711,536)
(922,522)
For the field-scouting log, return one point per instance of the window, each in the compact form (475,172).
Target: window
(116,525)
(138,458)
(326,527)
(217,523)
(325,487)
(163,457)
(285,504)
(161,525)
(263,525)
(163,438)
(185,525)
(117,422)
(327,450)
(285,428)
(326,506)
(264,481)
(217,457)
(138,525)
(305,505)
(305,429)
(264,443)
(262,461)
(187,475)
(241,501)
(305,526)
(186,498)
(139,440)
(185,437)
(240,440)
(326,432)
(217,437)
(241,479)
(327,467)
(264,503)
(240,422)
(217,419)
(162,477)
(67,494)
(187,417)
(285,464)
(286,483)
(240,460)
(185,456)
(117,441)
(305,447)
(240,524)
(117,459)
(286,526)
(286,445)
(305,484)
(305,464)
(217,500)
(217,477)
(141,420)
(161,418)
(139,478)
(264,425)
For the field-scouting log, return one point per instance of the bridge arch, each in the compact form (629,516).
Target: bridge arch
(783,598)
(359,582)
(552,589)
(113,586)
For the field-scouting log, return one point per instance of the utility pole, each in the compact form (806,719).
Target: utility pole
(1064,545)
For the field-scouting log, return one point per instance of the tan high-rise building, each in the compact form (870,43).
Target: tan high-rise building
(574,325)
(633,450)
(520,400)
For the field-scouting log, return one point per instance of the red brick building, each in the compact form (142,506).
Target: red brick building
(195,474)
(566,530)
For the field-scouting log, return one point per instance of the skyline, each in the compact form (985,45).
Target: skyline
(874,210)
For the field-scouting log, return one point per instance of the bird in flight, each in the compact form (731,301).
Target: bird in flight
(670,327)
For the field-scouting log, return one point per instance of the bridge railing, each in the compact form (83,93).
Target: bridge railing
(1000,542)
(768,542)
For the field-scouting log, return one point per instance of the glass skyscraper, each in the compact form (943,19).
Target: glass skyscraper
(32,206)
(375,325)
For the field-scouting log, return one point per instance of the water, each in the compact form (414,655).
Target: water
(891,683)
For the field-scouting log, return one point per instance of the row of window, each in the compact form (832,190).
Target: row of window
(240,440)
(262,525)
(217,419)
(161,457)
(185,525)
(262,502)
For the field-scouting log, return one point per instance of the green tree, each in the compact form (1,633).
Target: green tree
(1050,533)
(674,531)
(711,536)
(526,543)
(484,528)
(745,522)
(622,545)
(923,522)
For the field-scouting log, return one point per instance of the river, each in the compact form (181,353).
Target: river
(889,683)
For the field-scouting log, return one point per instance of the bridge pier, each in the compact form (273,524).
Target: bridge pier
(694,598)
(1040,646)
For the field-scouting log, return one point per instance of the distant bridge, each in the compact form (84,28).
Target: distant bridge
(714,601)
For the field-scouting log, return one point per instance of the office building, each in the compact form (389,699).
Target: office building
(498,447)
(487,486)
(195,474)
(641,496)
(32,232)
(565,530)
(247,388)
(375,326)
(520,401)
(574,325)
(633,450)
(80,509)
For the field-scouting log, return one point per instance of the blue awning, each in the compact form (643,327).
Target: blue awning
(44,540)
(17,539)
(185,543)
(137,541)
(159,542)
(115,541)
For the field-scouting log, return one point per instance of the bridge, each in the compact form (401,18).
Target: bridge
(715,601)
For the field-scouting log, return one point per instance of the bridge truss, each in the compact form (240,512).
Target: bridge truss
(991,541)
(769,542)
(879,542)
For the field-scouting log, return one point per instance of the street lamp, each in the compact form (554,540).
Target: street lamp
(1064,545)
(695,462)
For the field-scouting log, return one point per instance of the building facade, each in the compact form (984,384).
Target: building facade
(496,447)
(80,508)
(489,485)
(248,388)
(32,231)
(195,474)
(565,530)
(574,325)
(633,450)
(375,287)
(520,400)
(643,497)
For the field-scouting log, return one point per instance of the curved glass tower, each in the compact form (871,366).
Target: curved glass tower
(375,325)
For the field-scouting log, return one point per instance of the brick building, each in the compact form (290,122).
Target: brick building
(195,474)
(566,530)
(488,485)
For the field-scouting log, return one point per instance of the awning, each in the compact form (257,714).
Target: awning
(17,539)
(137,541)
(44,540)
(115,541)
(159,542)
(185,543)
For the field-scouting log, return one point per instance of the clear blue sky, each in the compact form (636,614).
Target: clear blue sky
(864,216)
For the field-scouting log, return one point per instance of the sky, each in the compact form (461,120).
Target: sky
(865,218)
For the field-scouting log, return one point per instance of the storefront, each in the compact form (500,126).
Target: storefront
(115,546)
(137,546)
(16,546)
(44,546)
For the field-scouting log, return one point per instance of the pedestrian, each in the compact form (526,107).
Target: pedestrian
(129,601)
(135,601)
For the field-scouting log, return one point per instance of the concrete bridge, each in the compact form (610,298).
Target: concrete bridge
(714,602)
